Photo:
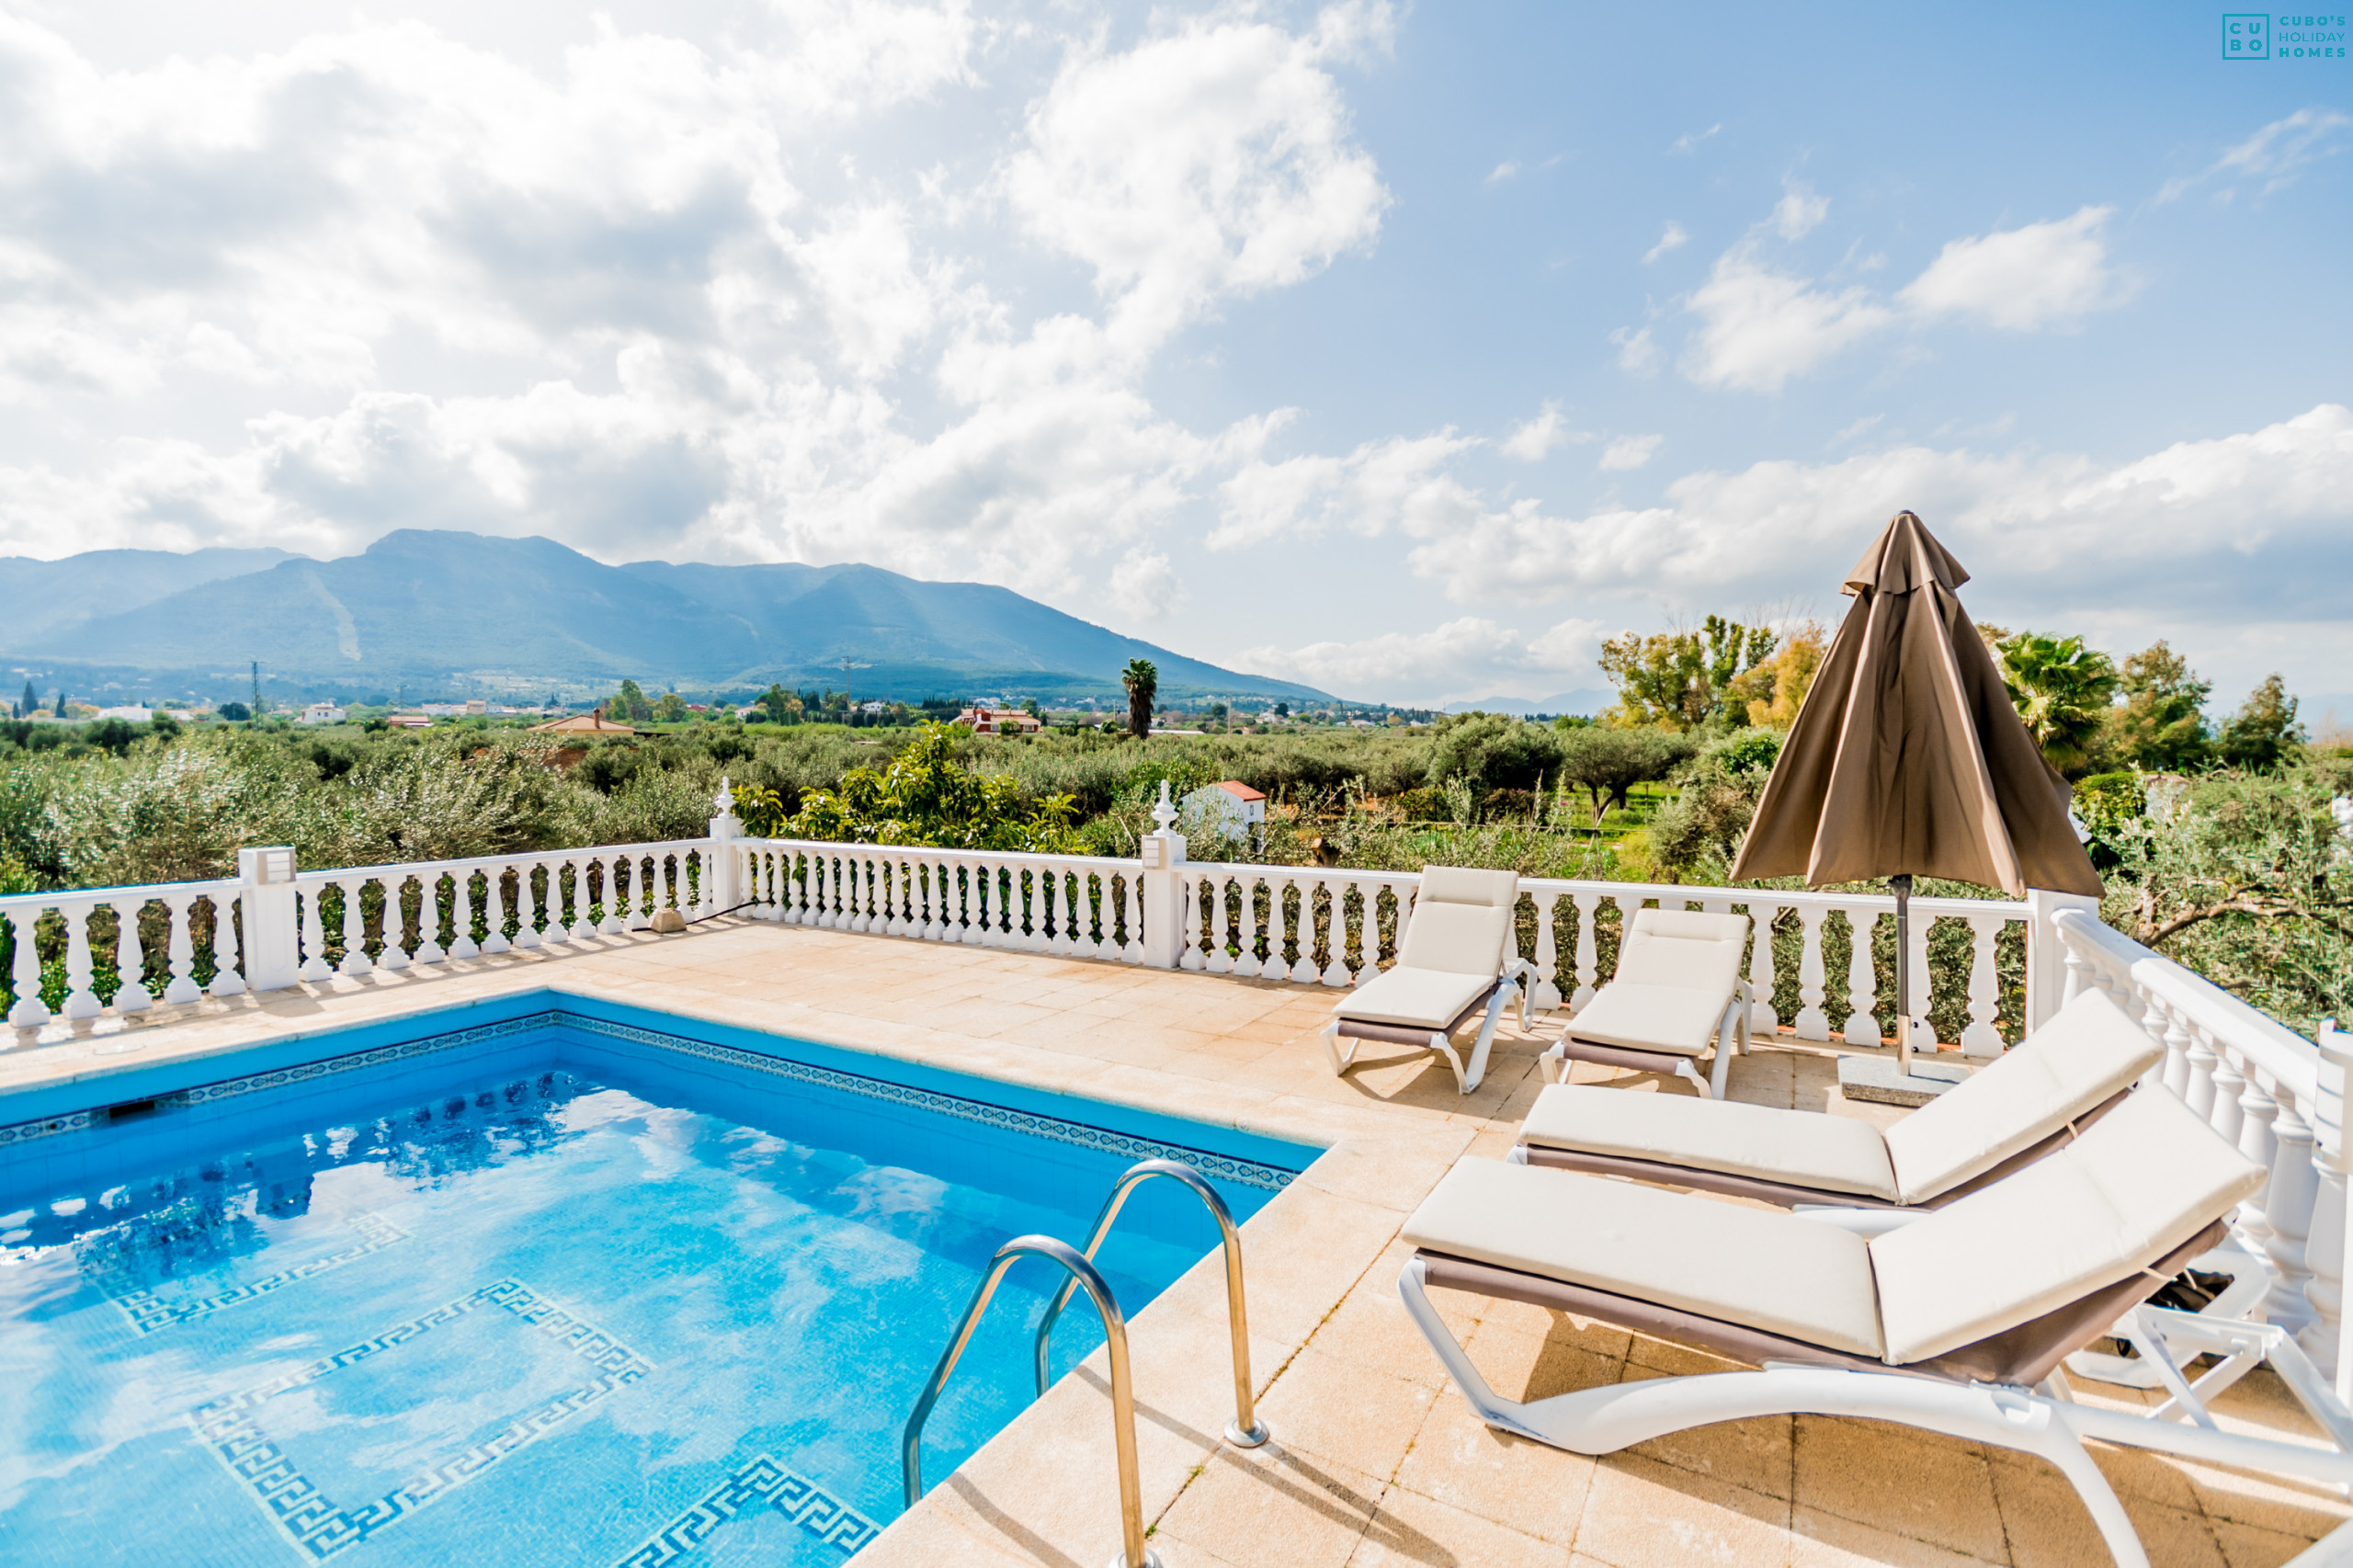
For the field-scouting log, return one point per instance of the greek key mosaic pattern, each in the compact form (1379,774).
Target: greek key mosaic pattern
(761,1484)
(147,1312)
(309,1519)
(1243,1173)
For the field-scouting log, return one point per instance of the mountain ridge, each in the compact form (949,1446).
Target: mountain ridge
(443,608)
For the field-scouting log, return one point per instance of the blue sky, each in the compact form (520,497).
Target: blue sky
(1406,351)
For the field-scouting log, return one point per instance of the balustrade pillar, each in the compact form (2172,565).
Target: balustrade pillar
(1983,1037)
(130,994)
(228,968)
(1588,907)
(2288,1203)
(315,967)
(1546,993)
(1862,980)
(461,915)
(180,956)
(355,928)
(28,1011)
(81,1001)
(1813,1021)
(494,900)
(392,953)
(1764,1023)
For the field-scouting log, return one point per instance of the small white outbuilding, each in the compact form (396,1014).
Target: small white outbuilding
(1230,809)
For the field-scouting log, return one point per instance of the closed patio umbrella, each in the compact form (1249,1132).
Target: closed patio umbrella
(1907,758)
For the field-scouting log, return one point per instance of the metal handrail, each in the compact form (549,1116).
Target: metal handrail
(1247,1431)
(1133,1552)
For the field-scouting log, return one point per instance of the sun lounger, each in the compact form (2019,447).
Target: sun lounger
(1950,1323)
(1456,958)
(2012,1112)
(1678,995)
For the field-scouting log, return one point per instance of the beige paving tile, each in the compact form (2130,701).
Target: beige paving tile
(2245,1546)
(1642,1514)
(1826,1541)
(1342,1411)
(1910,1483)
(2047,1526)
(1273,1507)
(1460,1460)
(1410,1528)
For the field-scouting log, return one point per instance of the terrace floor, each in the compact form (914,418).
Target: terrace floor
(1374,1459)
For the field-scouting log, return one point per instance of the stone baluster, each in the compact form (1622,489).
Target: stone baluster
(530,908)
(1368,932)
(611,922)
(391,952)
(2325,1251)
(80,999)
(2200,1090)
(1863,981)
(2230,1089)
(461,915)
(1246,929)
(1216,888)
(356,960)
(583,898)
(983,931)
(228,966)
(180,955)
(131,993)
(28,1011)
(494,900)
(1983,1037)
(1135,953)
(314,934)
(1299,931)
(1279,924)
(1545,994)
(1336,934)
(428,917)
(2288,1201)
(1048,899)
(1190,915)
(2257,1133)
(1764,1022)
(1588,908)
(1812,1019)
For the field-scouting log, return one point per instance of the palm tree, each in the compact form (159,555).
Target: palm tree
(2061,689)
(1141,678)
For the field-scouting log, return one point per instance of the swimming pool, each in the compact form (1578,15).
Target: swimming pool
(568,1284)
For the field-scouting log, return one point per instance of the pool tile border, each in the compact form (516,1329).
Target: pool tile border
(1242,1172)
(759,1482)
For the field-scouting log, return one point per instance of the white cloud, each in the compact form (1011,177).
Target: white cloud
(1503,171)
(1636,351)
(2024,279)
(1396,485)
(1760,327)
(1145,586)
(1690,139)
(1214,160)
(1631,452)
(1530,441)
(1463,659)
(1799,211)
(2258,523)
(1673,236)
(2274,155)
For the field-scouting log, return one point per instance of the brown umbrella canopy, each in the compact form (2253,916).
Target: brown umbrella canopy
(1907,758)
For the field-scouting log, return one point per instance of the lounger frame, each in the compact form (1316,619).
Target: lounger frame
(2003,1390)
(1468,1075)
(1732,1034)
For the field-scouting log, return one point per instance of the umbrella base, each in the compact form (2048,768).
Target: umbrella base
(1877,1079)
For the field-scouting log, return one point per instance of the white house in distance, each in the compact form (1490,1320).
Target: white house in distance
(1228,809)
(998,721)
(321,713)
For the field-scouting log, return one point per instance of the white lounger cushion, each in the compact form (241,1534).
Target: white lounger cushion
(1652,1018)
(2141,1181)
(1776,1272)
(1417,998)
(1687,948)
(1837,1153)
(2088,1050)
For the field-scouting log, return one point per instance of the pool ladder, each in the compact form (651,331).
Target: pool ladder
(1246,1431)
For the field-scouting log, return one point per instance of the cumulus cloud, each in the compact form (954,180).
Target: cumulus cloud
(1145,586)
(1669,239)
(1799,212)
(1636,350)
(1631,452)
(1467,658)
(2257,522)
(1530,441)
(1210,162)
(1758,327)
(1398,485)
(2024,279)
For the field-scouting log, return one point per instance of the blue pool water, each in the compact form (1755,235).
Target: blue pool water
(566,1286)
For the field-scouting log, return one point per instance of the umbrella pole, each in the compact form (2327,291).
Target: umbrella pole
(1902,883)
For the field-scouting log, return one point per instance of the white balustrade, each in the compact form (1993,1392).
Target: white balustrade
(54,929)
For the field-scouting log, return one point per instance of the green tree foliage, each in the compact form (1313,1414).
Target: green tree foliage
(2062,690)
(630,705)
(671,709)
(2162,726)
(779,706)
(1607,763)
(927,796)
(1684,678)
(2243,878)
(1141,680)
(27,703)
(2264,732)
(1696,835)
(1493,751)
(236,712)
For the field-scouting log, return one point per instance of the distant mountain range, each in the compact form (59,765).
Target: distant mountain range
(423,612)
(1585,702)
